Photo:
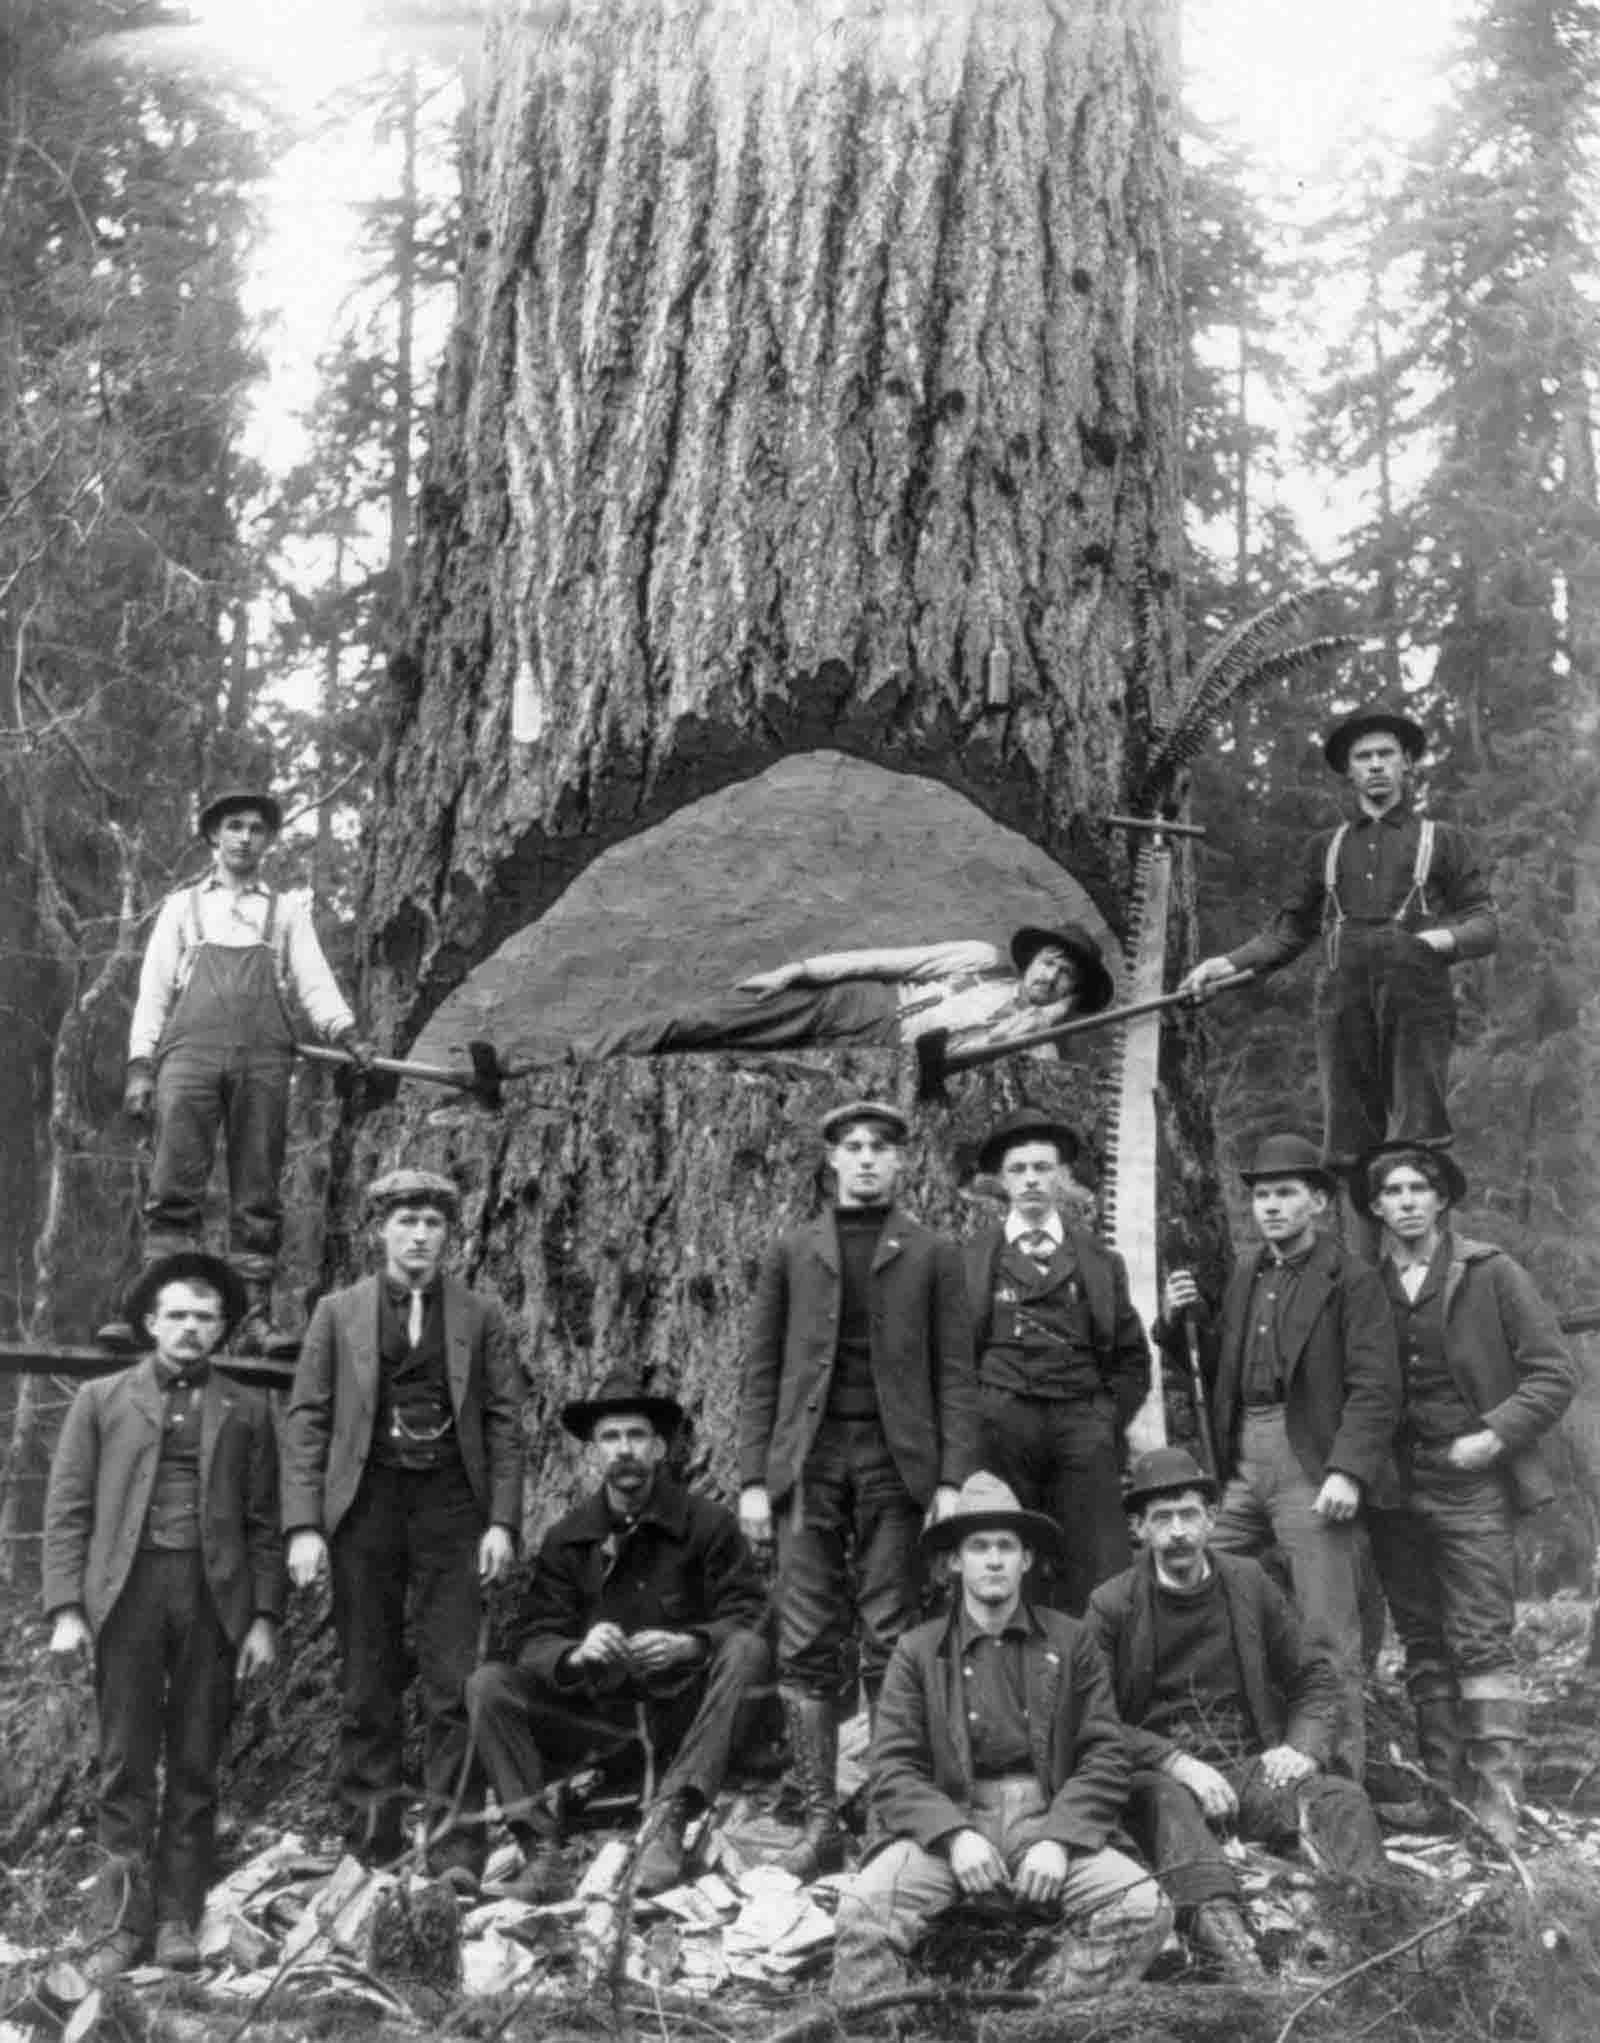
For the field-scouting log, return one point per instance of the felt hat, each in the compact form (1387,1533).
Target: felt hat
(413,1188)
(1290,1156)
(1027,1124)
(838,1119)
(621,1393)
(1360,723)
(986,1504)
(1438,1166)
(1096,988)
(187,1266)
(229,800)
(1163,1471)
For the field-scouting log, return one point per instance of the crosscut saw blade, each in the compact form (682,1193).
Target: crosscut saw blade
(1128,1199)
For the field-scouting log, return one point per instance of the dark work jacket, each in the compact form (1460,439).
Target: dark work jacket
(921,1339)
(1119,1343)
(920,1770)
(1290,1692)
(684,1567)
(1341,1359)
(102,1478)
(1510,1364)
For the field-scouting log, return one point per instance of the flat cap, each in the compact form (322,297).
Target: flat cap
(414,1188)
(835,1122)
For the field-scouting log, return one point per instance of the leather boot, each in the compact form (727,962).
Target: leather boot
(814,1750)
(1219,1931)
(1440,1743)
(661,1855)
(1496,1729)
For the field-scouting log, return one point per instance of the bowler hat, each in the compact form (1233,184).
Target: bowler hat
(1290,1156)
(1027,1124)
(986,1504)
(1163,1471)
(1438,1166)
(187,1266)
(621,1393)
(413,1188)
(838,1119)
(1096,988)
(229,800)
(1375,717)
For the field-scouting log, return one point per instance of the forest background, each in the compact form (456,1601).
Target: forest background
(1418,333)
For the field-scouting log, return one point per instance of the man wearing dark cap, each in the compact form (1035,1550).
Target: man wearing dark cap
(1486,1375)
(402,1473)
(1062,1359)
(1397,899)
(882,999)
(1231,1721)
(162,1553)
(998,1771)
(858,1415)
(1305,1400)
(211,1044)
(644,1620)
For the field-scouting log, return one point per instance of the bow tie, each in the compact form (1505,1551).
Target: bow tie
(1039,1244)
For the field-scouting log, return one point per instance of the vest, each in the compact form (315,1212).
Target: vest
(415,1425)
(1041,1339)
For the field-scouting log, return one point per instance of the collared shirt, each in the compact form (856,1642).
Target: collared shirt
(1272,1296)
(233,918)
(1016,1227)
(967,987)
(995,1690)
(1376,863)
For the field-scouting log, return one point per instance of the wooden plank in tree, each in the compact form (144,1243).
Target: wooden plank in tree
(78,1365)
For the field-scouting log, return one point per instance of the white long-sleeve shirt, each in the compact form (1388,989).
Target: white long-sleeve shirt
(968,987)
(233,917)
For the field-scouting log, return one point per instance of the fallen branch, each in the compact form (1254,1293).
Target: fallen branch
(1330,1986)
(834,2014)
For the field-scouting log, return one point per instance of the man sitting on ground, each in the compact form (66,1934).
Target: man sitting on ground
(998,1769)
(646,1608)
(1230,1720)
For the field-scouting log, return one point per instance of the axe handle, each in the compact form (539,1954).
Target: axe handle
(995,1053)
(430,1074)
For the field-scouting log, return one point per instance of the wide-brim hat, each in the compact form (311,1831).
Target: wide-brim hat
(1375,717)
(1290,1156)
(837,1119)
(1096,987)
(1164,1472)
(620,1393)
(229,800)
(1438,1166)
(986,1504)
(1027,1124)
(187,1266)
(414,1188)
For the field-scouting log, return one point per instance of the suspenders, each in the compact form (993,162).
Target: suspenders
(1333,908)
(271,936)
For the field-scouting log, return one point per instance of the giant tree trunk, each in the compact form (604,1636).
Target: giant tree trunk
(815,386)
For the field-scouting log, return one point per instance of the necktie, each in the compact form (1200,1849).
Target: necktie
(1037,1244)
(414,1322)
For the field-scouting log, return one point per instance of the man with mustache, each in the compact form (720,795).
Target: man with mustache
(646,1610)
(1397,898)
(1231,1720)
(162,1556)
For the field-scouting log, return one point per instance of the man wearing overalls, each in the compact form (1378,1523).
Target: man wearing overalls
(211,1044)
(1398,898)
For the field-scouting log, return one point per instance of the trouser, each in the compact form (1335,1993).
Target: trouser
(1269,1498)
(1110,1905)
(858,1011)
(242,1092)
(528,1729)
(1168,1825)
(410,1534)
(851,1514)
(164,1691)
(1061,1457)
(1447,1560)
(1385,1022)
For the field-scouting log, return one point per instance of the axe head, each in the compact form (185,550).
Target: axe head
(487,1086)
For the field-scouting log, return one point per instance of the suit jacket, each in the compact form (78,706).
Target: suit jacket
(333,1406)
(103,1476)
(1341,1361)
(1290,1692)
(920,1769)
(921,1338)
(1119,1342)
(683,1567)
(1504,1348)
